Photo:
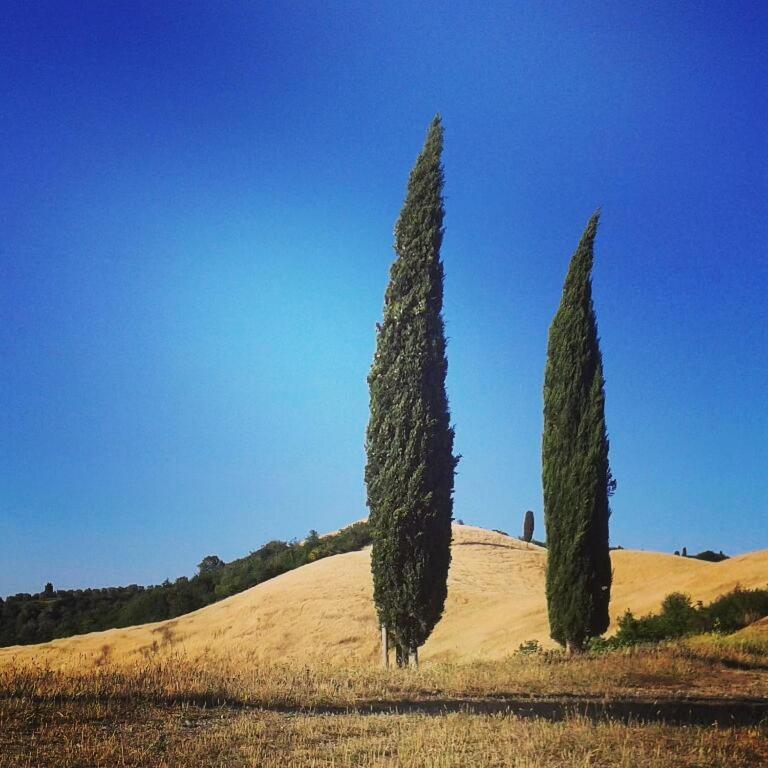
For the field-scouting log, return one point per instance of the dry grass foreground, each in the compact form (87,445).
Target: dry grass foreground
(323,612)
(176,712)
(100,736)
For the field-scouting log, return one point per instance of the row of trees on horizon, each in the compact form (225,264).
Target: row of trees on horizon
(53,613)
(37,618)
(409,440)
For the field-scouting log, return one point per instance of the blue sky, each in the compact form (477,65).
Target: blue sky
(197,205)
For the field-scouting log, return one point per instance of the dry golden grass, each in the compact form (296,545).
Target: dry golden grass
(177,711)
(94,735)
(701,668)
(747,649)
(282,674)
(323,612)
(757,631)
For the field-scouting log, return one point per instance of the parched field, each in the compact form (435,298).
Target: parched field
(78,736)
(641,708)
(323,613)
(286,674)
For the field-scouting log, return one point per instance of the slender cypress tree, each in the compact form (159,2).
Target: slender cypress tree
(576,474)
(409,442)
(528,526)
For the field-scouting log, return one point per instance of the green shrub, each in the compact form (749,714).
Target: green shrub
(530,648)
(680,618)
(736,610)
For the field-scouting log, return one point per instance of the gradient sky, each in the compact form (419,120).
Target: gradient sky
(197,205)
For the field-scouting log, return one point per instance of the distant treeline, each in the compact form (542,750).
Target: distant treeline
(708,555)
(38,618)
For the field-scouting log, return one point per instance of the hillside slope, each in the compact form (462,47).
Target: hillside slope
(323,612)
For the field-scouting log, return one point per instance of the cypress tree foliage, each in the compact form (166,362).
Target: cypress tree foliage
(528,526)
(576,474)
(409,441)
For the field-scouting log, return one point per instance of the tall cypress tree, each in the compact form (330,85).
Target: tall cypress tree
(576,474)
(409,441)
(528,526)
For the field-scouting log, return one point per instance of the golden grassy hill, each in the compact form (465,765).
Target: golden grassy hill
(756,631)
(323,612)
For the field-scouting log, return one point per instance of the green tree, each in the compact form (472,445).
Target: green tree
(409,442)
(210,564)
(528,524)
(576,474)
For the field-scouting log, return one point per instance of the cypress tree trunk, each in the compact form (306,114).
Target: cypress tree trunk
(384,648)
(576,474)
(409,441)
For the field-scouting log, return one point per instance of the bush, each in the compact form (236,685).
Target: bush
(680,618)
(530,648)
(710,556)
(736,610)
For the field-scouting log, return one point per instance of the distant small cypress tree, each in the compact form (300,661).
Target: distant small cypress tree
(685,551)
(528,526)
(576,474)
(409,441)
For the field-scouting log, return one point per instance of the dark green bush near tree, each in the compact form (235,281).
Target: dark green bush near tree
(679,617)
(710,556)
(736,610)
(576,475)
(409,440)
(38,618)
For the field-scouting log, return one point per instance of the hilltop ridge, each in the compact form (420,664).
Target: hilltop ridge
(323,612)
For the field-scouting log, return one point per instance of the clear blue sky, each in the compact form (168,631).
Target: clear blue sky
(197,205)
